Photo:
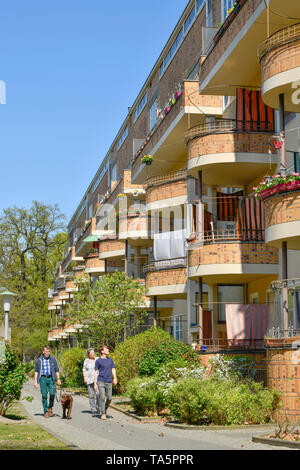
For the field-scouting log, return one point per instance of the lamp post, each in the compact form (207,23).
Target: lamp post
(7,297)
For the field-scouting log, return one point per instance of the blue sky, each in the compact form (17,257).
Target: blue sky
(71,69)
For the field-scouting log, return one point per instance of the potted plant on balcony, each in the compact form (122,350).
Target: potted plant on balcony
(147,159)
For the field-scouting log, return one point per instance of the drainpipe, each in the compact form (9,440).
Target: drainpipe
(200,321)
(285,293)
(155,312)
(200,281)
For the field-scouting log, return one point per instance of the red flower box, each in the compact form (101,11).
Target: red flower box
(292,185)
(265,193)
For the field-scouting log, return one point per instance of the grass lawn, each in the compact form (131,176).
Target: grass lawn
(19,433)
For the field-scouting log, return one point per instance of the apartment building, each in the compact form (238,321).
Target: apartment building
(173,202)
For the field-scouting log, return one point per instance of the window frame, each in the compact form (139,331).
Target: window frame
(140,107)
(221,321)
(123,137)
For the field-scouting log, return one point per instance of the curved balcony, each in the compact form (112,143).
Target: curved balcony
(63,295)
(94,265)
(56,300)
(110,249)
(233,256)
(167,279)
(134,228)
(166,190)
(230,152)
(51,306)
(70,286)
(280,67)
(282,219)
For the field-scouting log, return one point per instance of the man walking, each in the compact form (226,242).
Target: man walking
(105,376)
(46,373)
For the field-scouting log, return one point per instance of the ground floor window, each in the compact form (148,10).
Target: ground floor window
(177,324)
(228,294)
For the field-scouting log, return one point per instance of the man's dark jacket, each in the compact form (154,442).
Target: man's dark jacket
(53,368)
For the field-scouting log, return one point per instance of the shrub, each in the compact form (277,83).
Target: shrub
(172,372)
(12,377)
(233,367)
(128,353)
(221,402)
(70,364)
(145,396)
(160,354)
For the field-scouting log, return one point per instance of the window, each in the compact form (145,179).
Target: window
(153,115)
(171,52)
(123,137)
(140,107)
(100,176)
(297,162)
(226,5)
(177,324)
(199,4)
(226,102)
(189,20)
(231,294)
(209,14)
(114,173)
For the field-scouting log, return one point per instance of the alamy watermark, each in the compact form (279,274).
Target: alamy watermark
(2,92)
(296,353)
(296,94)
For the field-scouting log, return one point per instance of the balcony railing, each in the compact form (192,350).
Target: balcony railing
(166,264)
(281,37)
(215,344)
(221,125)
(166,178)
(217,236)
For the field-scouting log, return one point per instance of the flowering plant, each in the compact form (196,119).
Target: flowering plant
(277,183)
(147,159)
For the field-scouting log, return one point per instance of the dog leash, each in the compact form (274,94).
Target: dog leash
(58,393)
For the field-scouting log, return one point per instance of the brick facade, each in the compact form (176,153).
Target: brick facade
(234,253)
(282,209)
(111,245)
(168,277)
(93,261)
(166,191)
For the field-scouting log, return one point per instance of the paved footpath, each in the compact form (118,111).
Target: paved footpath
(122,432)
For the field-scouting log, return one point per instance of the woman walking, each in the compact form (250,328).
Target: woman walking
(88,377)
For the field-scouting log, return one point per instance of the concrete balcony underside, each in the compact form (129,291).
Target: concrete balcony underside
(280,68)
(233,262)
(167,145)
(231,63)
(229,157)
(282,220)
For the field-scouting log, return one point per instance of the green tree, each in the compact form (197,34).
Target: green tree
(111,309)
(31,243)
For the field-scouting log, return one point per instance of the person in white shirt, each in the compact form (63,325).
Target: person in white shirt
(88,377)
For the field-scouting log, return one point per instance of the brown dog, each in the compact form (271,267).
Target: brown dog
(66,403)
